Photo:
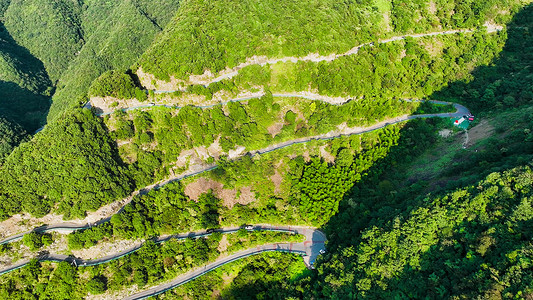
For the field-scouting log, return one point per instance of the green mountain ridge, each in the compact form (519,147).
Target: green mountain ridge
(408,212)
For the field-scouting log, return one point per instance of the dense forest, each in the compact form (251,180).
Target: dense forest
(461,232)
(413,67)
(323,26)
(71,164)
(154,139)
(312,201)
(51,51)
(83,38)
(467,238)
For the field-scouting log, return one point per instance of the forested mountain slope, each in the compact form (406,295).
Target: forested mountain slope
(25,88)
(50,30)
(117,34)
(78,40)
(470,237)
(112,41)
(193,44)
(463,231)
(72,165)
(48,46)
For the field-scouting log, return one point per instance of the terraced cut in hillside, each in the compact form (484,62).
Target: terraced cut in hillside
(151,83)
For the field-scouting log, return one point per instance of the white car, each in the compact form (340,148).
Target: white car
(322,251)
(249,227)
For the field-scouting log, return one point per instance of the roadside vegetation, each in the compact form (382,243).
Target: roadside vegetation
(258,276)
(83,41)
(414,67)
(117,85)
(151,265)
(154,139)
(304,195)
(463,249)
(192,44)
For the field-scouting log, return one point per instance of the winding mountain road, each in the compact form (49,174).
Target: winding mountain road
(315,239)
(309,249)
(314,57)
(70,226)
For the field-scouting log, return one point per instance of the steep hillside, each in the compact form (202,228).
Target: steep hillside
(73,42)
(71,164)
(194,44)
(121,35)
(25,88)
(12,135)
(433,219)
(48,46)
(442,228)
(50,30)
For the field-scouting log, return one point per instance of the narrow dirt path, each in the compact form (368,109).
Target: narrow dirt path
(207,78)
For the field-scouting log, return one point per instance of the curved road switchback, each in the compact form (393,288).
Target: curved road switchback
(315,240)
(241,99)
(71,226)
(309,249)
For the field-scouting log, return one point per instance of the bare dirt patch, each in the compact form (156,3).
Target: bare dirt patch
(275,128)
(326,155)
(150,82)
(445,133)
(306,156)
(277,178)
(223,244)
(481,131)
(23,222)
(108,104)
(215,150)
(229,196)
(124,142)
(109,294)
(196,156)
(247,196)
(103,249)
(386,22)
(202,152)
(232,154)
(196,188)
(432,7)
